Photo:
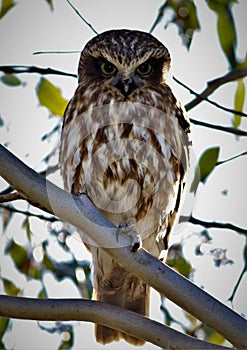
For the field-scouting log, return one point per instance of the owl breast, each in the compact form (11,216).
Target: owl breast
(126,157)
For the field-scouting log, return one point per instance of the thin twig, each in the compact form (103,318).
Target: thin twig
(232,158)
(203,97)
(229,130)
(212,86)
(213,224)
(82,18)
(240,276)
(55,52)
(34,69)
(28,213)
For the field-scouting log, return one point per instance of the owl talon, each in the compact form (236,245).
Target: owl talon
(134,237)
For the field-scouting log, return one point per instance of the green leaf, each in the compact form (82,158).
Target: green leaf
(184,17)
(6,217)
(26,226)
(6,6)
(42,294)
(239,102)
(50,3)
(50,97)
(205,166)
(19,255)
(10,80)
(48,263)
(67,340)
(4,323)
(177,261)
(10,288)
(226,28)
(212,336)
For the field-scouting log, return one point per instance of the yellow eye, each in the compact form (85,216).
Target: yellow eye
(144,69)
(108,68)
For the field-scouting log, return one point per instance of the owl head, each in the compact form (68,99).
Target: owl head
(125,60)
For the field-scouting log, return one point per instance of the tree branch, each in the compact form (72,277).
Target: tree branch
(81,213)
(46,172)
(230,130)
(34,69)
(232,158)
(212,86)
(27,213)
(10,197)
(213,224)
(101,313)
(82,18)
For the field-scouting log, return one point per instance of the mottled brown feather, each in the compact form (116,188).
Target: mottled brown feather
(129,152)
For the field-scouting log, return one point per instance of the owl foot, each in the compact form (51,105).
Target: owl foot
(135,239)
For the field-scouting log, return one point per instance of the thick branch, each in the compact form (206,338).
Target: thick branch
(101,313)
(81,213)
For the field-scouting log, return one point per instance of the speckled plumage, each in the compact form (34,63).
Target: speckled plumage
(125,144)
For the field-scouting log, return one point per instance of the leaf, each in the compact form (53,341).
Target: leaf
(10,80)
(42,294)
(4,323)
(226,28)
(205,166)
(6,217)
(1,121)
(10,288)
(212,336)
(177,261)
(50,3)
(239,102)
(6,6)
(26,226)
(67,340)
(48,263)
(184,17)
(50,97)
(19,255)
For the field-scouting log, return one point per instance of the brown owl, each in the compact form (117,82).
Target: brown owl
(125,145)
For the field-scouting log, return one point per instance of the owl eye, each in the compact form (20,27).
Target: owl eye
(144,69)
(107,68)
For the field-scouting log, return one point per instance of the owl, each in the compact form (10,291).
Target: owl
(125,144)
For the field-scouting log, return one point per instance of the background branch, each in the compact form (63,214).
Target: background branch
(34,69)
(28,213)
(212,86)
(10,197)
(229,130)
(101,313)
(213,224)
(81,213)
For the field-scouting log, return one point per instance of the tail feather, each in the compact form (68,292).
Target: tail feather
(135,299)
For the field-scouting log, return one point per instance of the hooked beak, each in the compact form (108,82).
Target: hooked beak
(126,85)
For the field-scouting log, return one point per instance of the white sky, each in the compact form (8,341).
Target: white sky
(31,27)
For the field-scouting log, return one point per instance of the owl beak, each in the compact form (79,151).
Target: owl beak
(126,85)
